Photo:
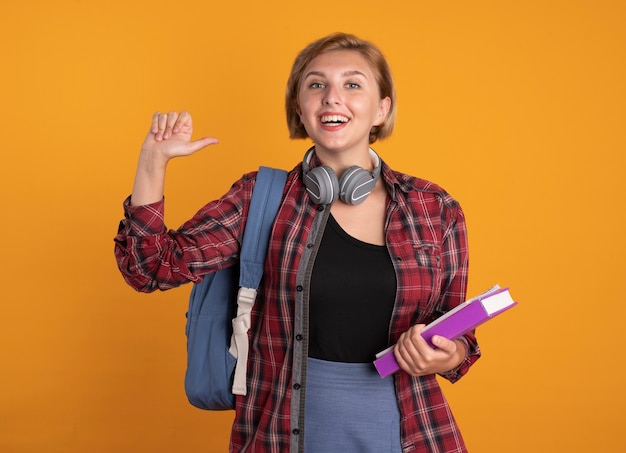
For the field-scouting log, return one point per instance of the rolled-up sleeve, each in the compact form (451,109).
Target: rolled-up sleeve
(151,257)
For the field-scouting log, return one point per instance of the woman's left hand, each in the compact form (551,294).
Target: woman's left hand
(418,358)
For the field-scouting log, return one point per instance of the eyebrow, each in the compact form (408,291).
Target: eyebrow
(344,74)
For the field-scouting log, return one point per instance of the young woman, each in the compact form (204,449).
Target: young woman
(361,257)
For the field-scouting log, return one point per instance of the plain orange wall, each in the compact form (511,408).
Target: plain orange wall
(516,108)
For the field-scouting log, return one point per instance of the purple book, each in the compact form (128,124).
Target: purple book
(458,321)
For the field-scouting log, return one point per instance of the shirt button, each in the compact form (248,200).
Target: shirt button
(296,431)
(297,386)
(299,337)
(310,246)
(320,208)
(299,288)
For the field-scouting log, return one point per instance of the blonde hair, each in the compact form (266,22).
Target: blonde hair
(334,42)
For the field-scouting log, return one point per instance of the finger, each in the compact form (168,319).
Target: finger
(169,124)
(406,348)
(414,337)
(425,349)
(154,128)
(161,123)
(201,143)
(444,344)
(408,361)
(183,123)
(416,346)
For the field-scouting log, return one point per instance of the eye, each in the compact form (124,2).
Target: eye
(316,85)
(353,85)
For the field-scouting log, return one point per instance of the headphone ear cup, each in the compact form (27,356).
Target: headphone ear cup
(322,185)
(355,185)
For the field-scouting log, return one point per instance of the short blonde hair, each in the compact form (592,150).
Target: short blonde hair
(334,42)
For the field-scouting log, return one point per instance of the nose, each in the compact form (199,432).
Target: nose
(331,96)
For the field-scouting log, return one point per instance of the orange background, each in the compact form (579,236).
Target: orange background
(516,108)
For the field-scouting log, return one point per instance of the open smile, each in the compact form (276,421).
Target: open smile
(333,120)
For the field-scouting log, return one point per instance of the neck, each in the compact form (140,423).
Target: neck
(340,161)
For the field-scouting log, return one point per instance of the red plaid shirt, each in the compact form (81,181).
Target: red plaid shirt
(426,239)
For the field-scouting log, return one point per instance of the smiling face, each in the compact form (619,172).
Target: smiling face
(339,101)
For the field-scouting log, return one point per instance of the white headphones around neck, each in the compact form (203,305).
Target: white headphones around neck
(353,187)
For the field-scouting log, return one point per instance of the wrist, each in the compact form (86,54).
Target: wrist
(461,352)
(151,161)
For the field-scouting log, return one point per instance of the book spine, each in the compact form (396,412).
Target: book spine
(387,364)
(470,317)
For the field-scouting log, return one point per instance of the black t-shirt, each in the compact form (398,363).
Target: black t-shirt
(353,289)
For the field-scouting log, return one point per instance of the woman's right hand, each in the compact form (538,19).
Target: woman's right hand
(169,137)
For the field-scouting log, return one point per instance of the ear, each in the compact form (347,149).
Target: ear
(383,110)
(298,109)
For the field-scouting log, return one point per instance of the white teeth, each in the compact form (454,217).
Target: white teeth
(334,119)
